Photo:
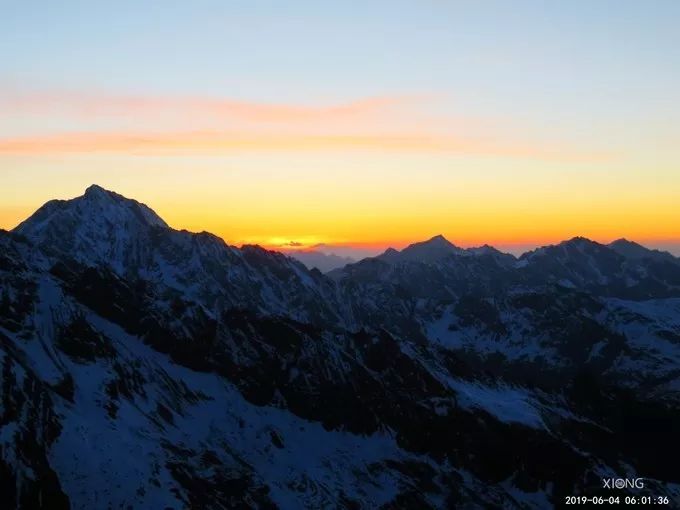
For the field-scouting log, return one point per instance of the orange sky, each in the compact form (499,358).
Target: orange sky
(278,199)
(366,172)
(369,173)
(513,124)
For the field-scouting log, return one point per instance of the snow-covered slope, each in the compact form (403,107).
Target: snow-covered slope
(99,227)
(146,367)
(104,229)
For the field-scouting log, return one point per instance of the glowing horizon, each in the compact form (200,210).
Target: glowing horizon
(357,246)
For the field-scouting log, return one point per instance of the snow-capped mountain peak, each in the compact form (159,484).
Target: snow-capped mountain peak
(629,249)
(98,227)
(104,198)
(97,190)
(432,250)
(104,229)
(96,205)
(633,250)
(570,247)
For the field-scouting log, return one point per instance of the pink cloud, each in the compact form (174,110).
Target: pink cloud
(207,142)
(88,105)
(191,125)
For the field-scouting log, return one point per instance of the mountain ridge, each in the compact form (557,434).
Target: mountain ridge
(463,379)
(433,248)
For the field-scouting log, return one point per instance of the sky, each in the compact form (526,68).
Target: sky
(354,125)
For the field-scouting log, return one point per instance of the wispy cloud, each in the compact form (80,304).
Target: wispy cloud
(185,125)
(215,142)
(89,105)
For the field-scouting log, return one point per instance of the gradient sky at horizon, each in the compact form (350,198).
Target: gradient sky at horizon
(354,124)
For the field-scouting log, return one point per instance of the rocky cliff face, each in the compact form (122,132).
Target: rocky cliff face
(146,367)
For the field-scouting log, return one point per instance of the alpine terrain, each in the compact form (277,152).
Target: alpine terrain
(146,367)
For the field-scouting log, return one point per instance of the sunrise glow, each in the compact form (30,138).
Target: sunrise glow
(525,137)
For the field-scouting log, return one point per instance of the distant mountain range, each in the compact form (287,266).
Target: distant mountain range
(324,262)
(439,247)
(146,367)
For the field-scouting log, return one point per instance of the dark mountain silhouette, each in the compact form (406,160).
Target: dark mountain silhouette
(324,262)
(147,367)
